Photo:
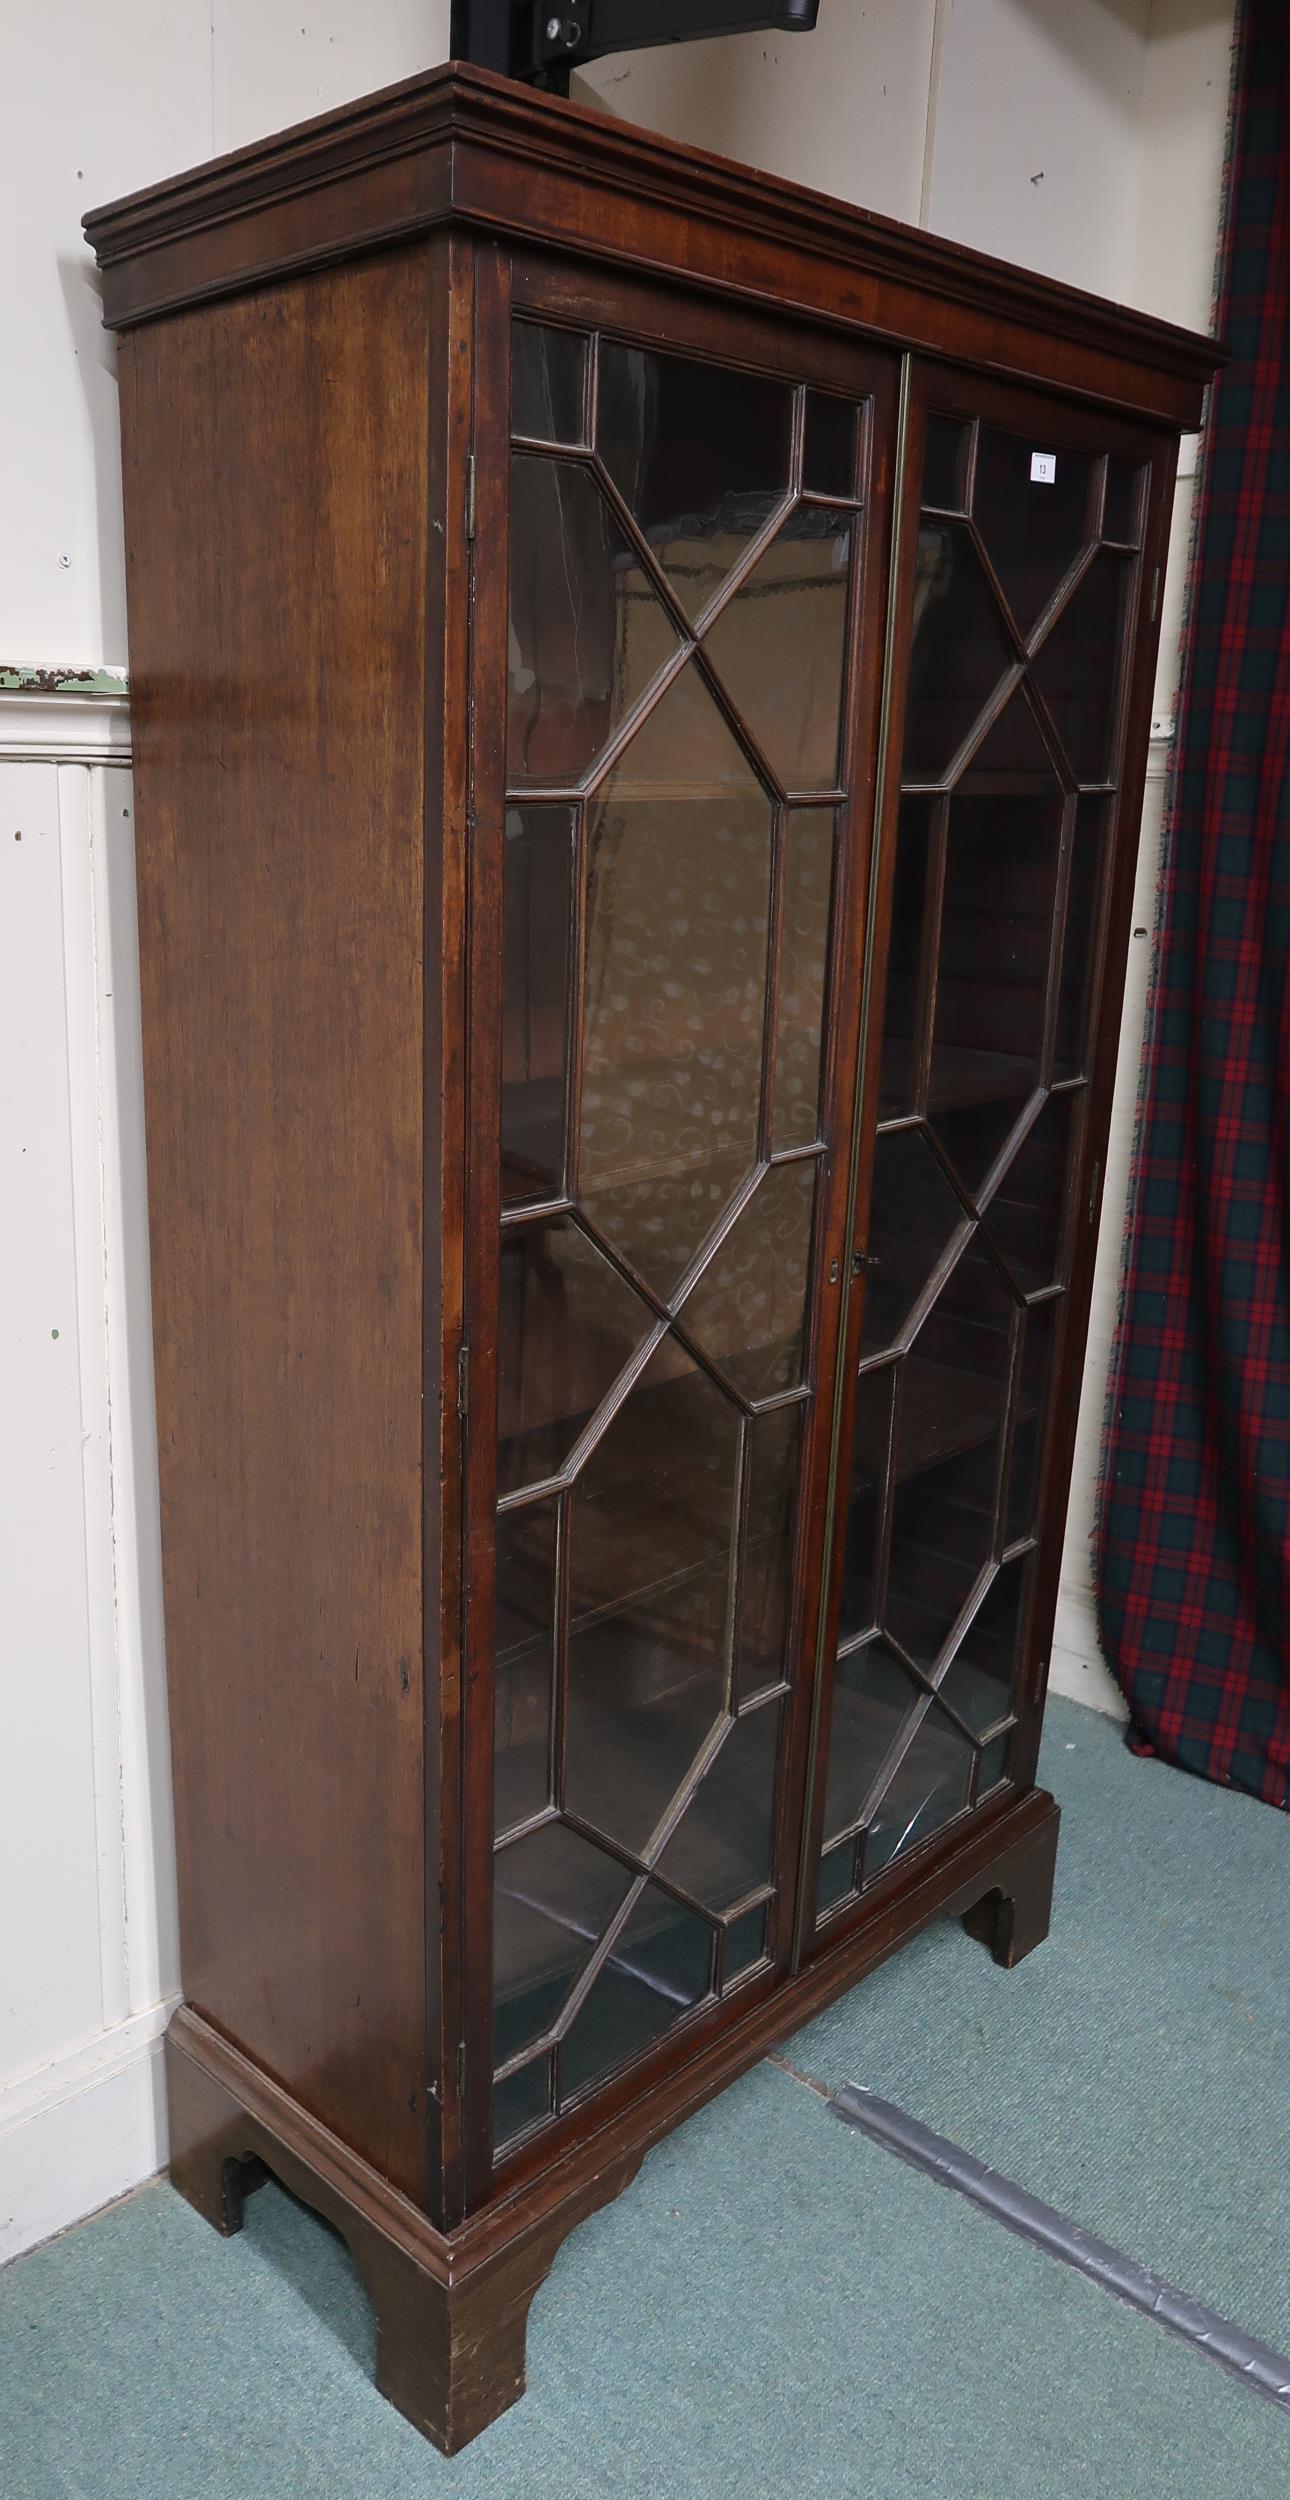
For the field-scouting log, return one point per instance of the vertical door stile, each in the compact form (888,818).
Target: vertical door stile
(858,1151)
(484,511)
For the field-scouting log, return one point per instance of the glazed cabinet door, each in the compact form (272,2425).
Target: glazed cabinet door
(1023,667)
(665,870)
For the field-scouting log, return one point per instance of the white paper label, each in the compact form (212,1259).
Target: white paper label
(1043,468)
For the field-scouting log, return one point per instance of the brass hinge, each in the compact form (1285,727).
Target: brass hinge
(463,1380)
(1155,593)
(470,500)
(461,2070)
(1094,1185)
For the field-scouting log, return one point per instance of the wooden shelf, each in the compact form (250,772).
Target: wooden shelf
(959,1077)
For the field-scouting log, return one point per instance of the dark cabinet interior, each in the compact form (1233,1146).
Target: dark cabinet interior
(642,683)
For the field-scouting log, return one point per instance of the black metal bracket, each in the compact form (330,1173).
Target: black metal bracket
(544,41)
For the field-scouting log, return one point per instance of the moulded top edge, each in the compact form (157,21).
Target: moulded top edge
(446,110)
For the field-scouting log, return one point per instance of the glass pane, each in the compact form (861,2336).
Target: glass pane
(949,1440)
(745,1943)
(912,898)
(1031,506)
(914,1217)
(1004,842)
(960,650)
(1031,1417)
(994,1765)
(523,2099)
(587,632)
(945,459)
(1089,857)
(699,454)
(1122,519)
(678,905)
(547,379)
(778,646)
(536,907)
(1077,669)
(651,1539)
(870,1449)
(837,1876)
(929,1787)
(808,891)
(523,1661)
(748,1309)
(1026,1216)
(567,1324)
(553,1897)
(720,1850)
(829,446)
(872,1699)
(774,1459)
(978,1681)
(659,1968)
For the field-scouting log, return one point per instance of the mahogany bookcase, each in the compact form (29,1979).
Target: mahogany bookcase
(641,683)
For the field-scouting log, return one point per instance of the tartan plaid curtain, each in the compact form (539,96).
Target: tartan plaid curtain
(1194,1529)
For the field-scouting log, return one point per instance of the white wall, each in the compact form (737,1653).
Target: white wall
(939,110)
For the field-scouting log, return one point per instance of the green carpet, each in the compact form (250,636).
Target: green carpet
(776,2306)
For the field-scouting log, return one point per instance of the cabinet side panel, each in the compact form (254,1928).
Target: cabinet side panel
(275,474)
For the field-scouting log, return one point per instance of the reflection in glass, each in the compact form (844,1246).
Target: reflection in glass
(1031,1415)
(808,888)
(994,1764)
(1026,1216)
(587,632)
(678,912)
(774,1460)
(945,462)
(1077,669)
(928,1788)
(567,1324)
(870,1453)
(721,1851)
(829,446)
(1080,947)
(699,454)
(872,1699)
(651,1538)
(978,1681)
(553,1896)
(960,651)
(949,1442)
(914,1217)
(677,925)
(536,919)
(837,1876)
(745,1943)
(521,2100)
(547,381)
(524,1638)
(1033,527)
(778,646)
(912,897)
(659,1968)
(748,1309)
(1122,519)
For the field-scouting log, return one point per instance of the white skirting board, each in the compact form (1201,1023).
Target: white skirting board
(82,2131)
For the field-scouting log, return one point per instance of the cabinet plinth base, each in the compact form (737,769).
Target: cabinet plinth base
(1015,1914)
(452,2308)
(451,2322)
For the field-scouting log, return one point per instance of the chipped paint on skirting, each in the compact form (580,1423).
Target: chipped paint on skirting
(99,684)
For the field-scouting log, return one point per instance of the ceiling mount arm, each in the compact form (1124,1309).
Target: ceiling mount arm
(543,41)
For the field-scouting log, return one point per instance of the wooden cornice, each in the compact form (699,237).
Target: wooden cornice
(461,145)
